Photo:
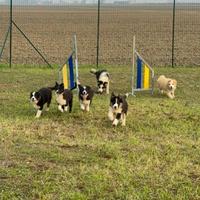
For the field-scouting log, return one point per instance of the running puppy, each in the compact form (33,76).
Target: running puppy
(118,109)
(103,80)
(64,97)
(167,86)
(85,97)
(40,98)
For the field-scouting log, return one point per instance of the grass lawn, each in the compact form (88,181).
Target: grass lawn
(81,156)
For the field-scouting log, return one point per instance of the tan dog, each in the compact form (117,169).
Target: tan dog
(167,86)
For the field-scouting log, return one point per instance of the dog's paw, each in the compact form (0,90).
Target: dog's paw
(38,114)
(115,122)
(82,107)
(123,123)
(60,108)
(87,109)
(110,116)
(171,97)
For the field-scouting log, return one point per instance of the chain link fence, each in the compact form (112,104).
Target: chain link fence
(50,26)
(187,37)
(4,31)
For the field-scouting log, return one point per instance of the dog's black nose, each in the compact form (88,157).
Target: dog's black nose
(115,107)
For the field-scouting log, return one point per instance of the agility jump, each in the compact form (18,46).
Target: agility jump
(68,74)
(142,74)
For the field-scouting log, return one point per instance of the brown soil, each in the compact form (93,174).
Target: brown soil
(51,30)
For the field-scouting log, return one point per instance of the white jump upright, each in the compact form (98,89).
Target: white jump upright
(142,74)
(68,74)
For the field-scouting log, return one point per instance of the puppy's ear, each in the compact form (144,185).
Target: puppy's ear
(108,75)
(79,86)
(112,94)
(31,94)
(169,81)
(88,88)
(175,82)
(106,83)
(126,95)
(120,98)
(38,96)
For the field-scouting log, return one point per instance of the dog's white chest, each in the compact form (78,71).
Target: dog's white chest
(115,111)
(86,102)
(60,100)
(35,105)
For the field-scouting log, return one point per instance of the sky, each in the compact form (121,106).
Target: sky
(106,1)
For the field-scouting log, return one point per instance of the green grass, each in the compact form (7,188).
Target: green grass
(81,156)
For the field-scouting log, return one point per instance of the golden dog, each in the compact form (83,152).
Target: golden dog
(167,86)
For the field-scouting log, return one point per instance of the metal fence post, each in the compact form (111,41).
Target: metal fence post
(98,26)
(11,20)
(173,31)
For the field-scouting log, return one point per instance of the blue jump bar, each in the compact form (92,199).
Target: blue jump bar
(71,72)
(139,73)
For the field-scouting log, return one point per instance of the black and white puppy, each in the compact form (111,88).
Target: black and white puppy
(40,98)
(103,80)
(118,109)
(64,97)
(86,94)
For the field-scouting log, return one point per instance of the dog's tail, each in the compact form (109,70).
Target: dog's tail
(79,84)
(54,87)
(108,75)
(93,71)
(51,88)
(126,95)
(160,77)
